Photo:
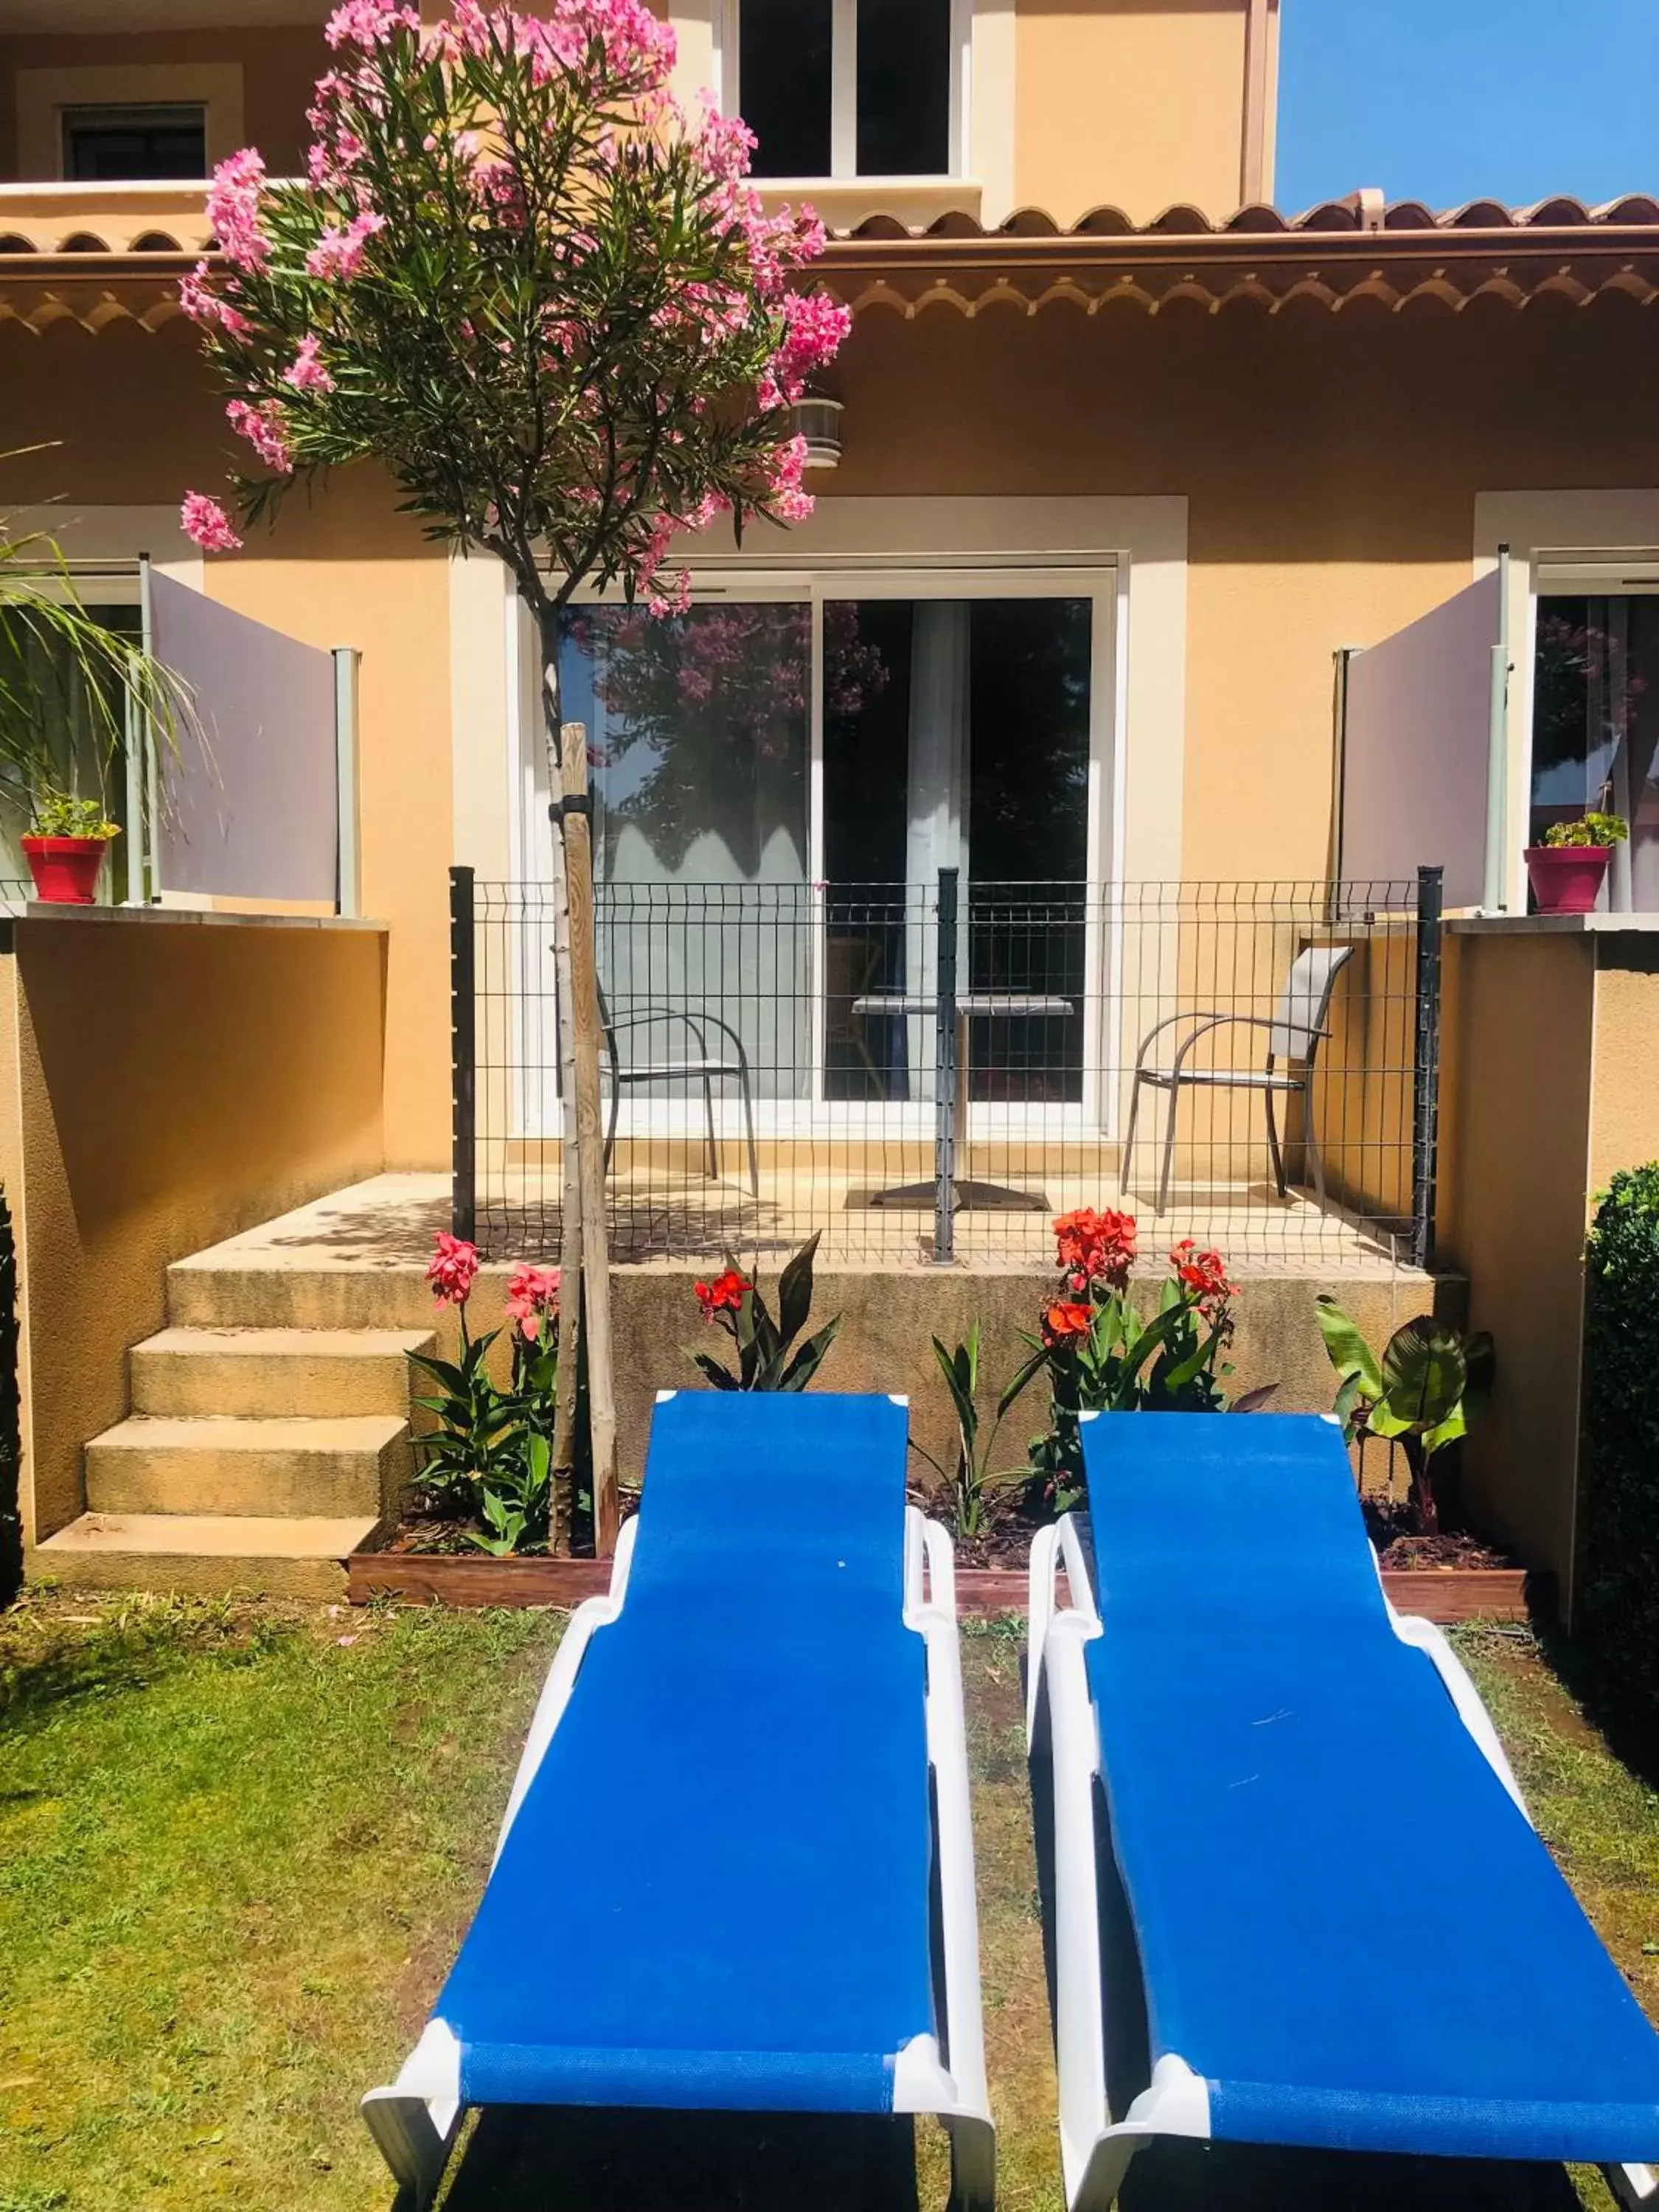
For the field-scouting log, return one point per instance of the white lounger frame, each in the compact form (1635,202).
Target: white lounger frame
(415,2120)
(1063,1726)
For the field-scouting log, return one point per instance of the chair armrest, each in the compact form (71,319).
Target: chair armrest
(1209,1020)
(641,1017)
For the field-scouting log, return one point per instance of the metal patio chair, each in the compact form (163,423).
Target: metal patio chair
(706,1068)
(1295,1029)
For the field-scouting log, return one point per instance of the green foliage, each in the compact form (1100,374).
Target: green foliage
(1429,1381)
(490,1456)
(1618,1563)
(1589,829)
(1123,1362)
(764,1359)
(61,814)
(971,1480)
(526,336)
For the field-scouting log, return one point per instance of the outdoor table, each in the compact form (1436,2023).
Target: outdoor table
(970,1005)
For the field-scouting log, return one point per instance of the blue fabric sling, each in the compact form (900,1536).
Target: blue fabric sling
(715,1892)
(1346,1925)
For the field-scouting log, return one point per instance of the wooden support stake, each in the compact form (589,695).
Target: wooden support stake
(563,1471)
(590,1151)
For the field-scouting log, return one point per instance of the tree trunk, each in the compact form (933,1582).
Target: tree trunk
(590,1154)
(571,1213)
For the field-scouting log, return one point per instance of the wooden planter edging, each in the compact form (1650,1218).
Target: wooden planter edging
(445,1578)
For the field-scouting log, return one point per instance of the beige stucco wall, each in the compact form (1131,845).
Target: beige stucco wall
(1135,104)
(1331,467)
(1552,1066)
(166,1084)
(126,418)
(263,104)
(1518,1115)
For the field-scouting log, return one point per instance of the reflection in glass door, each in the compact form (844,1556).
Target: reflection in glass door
(956,735)
(1595,729)
(698,728)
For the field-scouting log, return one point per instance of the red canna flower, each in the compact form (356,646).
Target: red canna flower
(723,1295)
(454,1266)
(1064,1320)
(1204,1274)
(1095,1247)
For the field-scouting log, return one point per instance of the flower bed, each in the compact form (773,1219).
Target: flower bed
(488,1480)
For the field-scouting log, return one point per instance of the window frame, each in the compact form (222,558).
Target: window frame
(128,113)
(843,92)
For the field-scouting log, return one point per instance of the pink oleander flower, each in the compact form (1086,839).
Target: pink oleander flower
(205,307)
(369,23)
(452,1268)
(533,1296)
(339,253)
(263,429)
(232,209)
(814,327)
(306,373)
(788,501)
(205,523)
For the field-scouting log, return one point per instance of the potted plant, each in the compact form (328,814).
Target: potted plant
(67,838)
(1566,871)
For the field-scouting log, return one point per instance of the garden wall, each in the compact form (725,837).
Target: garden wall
(884,1343)
(1551,1066)
(166,1080)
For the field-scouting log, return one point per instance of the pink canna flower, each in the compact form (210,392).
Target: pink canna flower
(307,373)
(452,1268)
(533,1296)
(206,524)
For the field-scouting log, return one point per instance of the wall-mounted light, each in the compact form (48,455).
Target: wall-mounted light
(818,421)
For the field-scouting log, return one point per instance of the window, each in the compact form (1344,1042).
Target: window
(849,87)
(104,144)
(1595,728)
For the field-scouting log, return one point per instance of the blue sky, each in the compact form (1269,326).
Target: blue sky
(1447,100)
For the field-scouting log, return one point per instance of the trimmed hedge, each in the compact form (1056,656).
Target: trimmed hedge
(1619,1496)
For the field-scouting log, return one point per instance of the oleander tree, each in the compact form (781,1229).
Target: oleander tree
(520,276)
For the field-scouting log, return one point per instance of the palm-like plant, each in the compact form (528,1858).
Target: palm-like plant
(60,667)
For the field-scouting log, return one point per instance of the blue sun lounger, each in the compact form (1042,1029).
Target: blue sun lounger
(1346,1934)
(752,1750)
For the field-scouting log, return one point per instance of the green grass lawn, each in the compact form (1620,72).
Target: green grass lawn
(239,1846)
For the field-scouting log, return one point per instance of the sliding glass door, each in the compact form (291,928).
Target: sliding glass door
(957,734)
(779,777)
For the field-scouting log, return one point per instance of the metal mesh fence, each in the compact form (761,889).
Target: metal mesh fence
(929,1072)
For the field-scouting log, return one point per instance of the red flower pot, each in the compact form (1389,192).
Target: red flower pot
(65,869)
(1567,878)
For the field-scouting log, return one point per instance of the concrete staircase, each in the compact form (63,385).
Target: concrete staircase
(268,1436)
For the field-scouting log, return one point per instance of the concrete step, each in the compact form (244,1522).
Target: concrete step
(260,1292)
(301,1558)
(270,1374)
(354,1464)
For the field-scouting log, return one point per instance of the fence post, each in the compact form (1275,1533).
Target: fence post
(1426,1065)
(463,1059)
(945,1073)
